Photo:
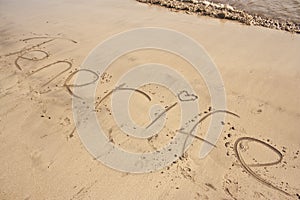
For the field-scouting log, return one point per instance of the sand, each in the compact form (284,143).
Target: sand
(42,156)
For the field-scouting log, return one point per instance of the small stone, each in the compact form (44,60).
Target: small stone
(221,15)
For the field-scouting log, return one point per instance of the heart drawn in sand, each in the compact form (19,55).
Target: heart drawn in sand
(185,96)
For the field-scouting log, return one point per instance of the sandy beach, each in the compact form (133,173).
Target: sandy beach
(42,156)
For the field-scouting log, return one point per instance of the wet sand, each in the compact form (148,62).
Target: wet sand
(42,156)
(281,10)
(225,11)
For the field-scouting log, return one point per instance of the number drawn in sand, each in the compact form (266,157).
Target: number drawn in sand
(184,93)
(161,114)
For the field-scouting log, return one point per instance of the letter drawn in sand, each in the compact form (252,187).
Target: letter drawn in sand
(189,133)
(69,66)
(22,56)
(50,39)
(121,87)
(69,86)
(237,146)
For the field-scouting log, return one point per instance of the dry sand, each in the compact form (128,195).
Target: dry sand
(42,156)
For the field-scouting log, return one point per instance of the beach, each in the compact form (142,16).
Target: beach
(42,156)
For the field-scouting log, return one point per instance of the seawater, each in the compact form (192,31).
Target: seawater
(276,9)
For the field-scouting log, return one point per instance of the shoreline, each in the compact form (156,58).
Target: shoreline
(43,156)
(224,11)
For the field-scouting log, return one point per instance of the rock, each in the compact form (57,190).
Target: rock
(221,15)
(228,7)
(206,3)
